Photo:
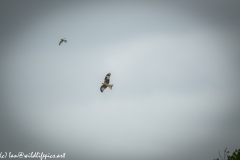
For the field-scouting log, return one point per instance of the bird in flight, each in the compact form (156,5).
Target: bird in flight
(106,83)
(63,39)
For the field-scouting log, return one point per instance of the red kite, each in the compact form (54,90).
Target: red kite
(106,83)
(63,39)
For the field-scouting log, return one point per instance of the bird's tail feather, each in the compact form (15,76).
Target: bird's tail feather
(110,86)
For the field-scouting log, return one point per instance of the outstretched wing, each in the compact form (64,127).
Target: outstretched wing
(103,87)
(60,42)
(107,78)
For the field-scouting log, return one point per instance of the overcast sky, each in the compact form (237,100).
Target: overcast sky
(174,65)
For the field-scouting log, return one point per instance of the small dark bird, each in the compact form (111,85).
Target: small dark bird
(63,39)
(106,83)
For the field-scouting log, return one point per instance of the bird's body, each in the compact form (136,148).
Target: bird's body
(62,40)
(106,83)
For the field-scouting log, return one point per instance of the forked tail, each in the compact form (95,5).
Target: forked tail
(110,86)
